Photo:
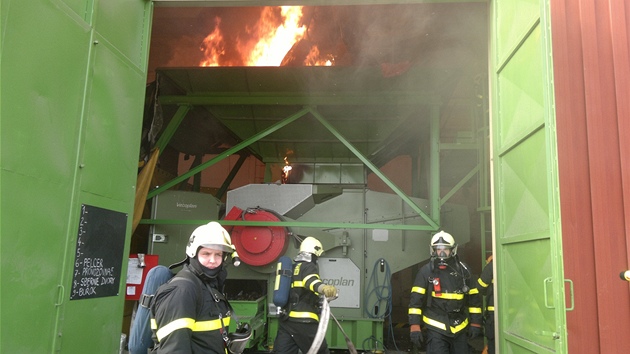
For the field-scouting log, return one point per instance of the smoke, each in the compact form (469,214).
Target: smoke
(393,36)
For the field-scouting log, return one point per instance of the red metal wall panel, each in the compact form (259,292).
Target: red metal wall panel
(591,73)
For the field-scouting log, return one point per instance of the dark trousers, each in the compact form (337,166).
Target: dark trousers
(438,343)
(294,336)
(489,331)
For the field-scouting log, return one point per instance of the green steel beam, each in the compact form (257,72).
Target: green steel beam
(284,98)
(318,225)
(459,184)
(231,175)
(197,180)
(228,152)
(434,170)
(374,169)
(433,225)
(172,127)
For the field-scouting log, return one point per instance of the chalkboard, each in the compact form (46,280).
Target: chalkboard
(99,253)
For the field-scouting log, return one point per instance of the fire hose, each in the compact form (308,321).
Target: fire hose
(323,326)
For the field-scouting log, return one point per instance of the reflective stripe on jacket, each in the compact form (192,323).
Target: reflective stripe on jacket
(439,299)
(304,298)
(188,318)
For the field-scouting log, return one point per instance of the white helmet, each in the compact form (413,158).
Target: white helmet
(211,235)
(440,241)
(312,245)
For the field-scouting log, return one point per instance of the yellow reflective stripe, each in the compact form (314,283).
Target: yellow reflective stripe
(442,326)
(315,285)
(415,311)
(474,309)
(419,290)
(460,327)
(434,323)
(296,314)
(173,326)
(153,324)
(315,282)
(448,296)
(481,282)
(473,291)
(297,284)
(296,271)
(309,277)
(211,325)
(490,308)
(277,285)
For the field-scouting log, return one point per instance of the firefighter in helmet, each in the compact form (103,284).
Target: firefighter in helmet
(444,301)
(298,327)
(190,314)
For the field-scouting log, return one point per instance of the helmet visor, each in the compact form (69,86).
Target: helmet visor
(442,251)
(223,248)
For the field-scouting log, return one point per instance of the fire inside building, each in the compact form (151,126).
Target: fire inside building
(370,126)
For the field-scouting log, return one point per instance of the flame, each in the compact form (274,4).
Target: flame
(286,170)
(213,45)
(274,43)
(265,43)
(314,58)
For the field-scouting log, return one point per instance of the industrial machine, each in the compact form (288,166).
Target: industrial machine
(358,261)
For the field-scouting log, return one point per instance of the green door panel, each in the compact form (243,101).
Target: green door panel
(33,87)
(71,121)
(529,317)
(37,164)
(126,26)
(30,258)
(523,203)
(513,18)
(113,111)
(521,93)
(109,150)
(82,8)
(530,302)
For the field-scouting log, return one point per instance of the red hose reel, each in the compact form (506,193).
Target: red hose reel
(257,245)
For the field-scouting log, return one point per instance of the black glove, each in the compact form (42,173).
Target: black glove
(416,338)
(474,332)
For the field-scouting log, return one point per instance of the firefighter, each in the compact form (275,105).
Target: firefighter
(298,326)
(444,301)
(190,314)
(486,288)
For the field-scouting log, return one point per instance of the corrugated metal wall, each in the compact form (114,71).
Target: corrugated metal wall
(592,84)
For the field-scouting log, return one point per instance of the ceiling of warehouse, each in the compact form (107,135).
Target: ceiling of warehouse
(397,62)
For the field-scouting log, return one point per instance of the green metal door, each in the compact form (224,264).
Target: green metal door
(528,249)
(73,82)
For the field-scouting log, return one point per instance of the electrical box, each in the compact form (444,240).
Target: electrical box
(137,269)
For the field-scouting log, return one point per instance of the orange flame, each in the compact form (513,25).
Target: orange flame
(270,44)
(213,45)
(286,170)
(314,58)
(274,43)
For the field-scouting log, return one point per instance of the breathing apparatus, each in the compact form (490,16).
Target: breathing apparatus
(443,248)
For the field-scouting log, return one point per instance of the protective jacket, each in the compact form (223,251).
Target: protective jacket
(484,285)
(190,315)
(304,298)
(444,299)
